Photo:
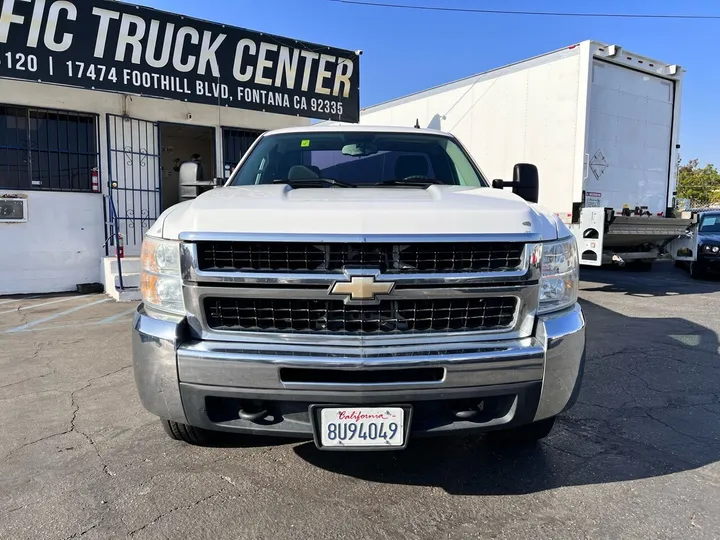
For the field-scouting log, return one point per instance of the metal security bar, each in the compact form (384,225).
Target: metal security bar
(47,149)
(135,175)
(235,143)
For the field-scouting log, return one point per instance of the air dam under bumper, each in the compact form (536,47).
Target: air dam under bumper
(224,385)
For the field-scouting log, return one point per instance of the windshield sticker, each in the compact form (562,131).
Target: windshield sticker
(305,143)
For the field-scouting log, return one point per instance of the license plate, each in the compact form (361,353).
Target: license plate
(352,427)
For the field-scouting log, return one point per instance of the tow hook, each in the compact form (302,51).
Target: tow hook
(252,416)
(469,413)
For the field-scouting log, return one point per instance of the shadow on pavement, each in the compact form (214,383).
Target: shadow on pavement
(664,280)
(649,406)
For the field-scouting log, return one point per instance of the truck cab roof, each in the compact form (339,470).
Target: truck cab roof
(358,128)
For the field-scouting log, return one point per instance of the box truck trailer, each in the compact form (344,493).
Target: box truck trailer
(600,123)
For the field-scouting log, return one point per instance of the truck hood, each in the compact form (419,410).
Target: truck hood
(362,211)
(710,238)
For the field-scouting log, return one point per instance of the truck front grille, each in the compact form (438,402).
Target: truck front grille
(386,257)
(335,317)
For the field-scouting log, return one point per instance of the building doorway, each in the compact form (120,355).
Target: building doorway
(144,161)
(181,143)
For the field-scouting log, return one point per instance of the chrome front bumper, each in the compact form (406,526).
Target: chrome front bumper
(175,374)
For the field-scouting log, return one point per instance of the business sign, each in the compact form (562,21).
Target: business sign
(117,47)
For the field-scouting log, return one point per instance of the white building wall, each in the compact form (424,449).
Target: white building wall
(61,244)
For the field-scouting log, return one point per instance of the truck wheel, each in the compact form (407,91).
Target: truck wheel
(188,434)
(524,435)
(697,270)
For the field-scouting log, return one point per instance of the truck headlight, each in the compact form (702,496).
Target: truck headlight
(560,275)
(161,282)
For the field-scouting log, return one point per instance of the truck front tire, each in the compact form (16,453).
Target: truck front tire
(524,435)
(697,270)
(188,434)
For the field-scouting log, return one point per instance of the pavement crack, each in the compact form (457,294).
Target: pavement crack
(30,443)
(684,348)
(73,427)
(623,405)
(83,532)
(615,443)
(706,408)
(36,353)
(173,510)
(699,439)
(639,378)
(107,375)
(625,350)
(52,372)
(40,392)
(569,453)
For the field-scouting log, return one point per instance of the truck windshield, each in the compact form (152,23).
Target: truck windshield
(710,224)
(358,159)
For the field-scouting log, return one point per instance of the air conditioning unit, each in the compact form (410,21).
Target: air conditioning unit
(13,209)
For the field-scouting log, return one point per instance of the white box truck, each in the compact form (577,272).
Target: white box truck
(600,123)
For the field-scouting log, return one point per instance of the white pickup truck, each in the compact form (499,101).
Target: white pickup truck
(360,287)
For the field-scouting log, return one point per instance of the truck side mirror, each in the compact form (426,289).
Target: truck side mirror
(525,181)
(498,183)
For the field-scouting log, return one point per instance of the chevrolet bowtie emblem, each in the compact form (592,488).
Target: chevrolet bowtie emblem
(362,288)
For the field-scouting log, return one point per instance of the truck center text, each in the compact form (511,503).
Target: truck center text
(184,49)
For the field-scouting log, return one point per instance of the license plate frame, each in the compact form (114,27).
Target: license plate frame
(315,411)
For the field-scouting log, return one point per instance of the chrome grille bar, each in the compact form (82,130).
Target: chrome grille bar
(335,317)
(389,258)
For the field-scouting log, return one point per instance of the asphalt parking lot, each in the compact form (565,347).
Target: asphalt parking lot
(637,457)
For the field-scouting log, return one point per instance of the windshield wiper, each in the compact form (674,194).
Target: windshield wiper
(308,182)
(417,181)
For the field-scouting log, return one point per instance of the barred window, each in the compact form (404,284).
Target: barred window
(235,143)
(43,149)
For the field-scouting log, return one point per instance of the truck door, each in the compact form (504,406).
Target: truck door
(629,140)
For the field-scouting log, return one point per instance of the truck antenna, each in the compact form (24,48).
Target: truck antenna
(417,123)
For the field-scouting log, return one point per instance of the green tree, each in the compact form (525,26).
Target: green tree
(700,185)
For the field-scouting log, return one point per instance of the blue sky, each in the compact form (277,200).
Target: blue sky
(405,51)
